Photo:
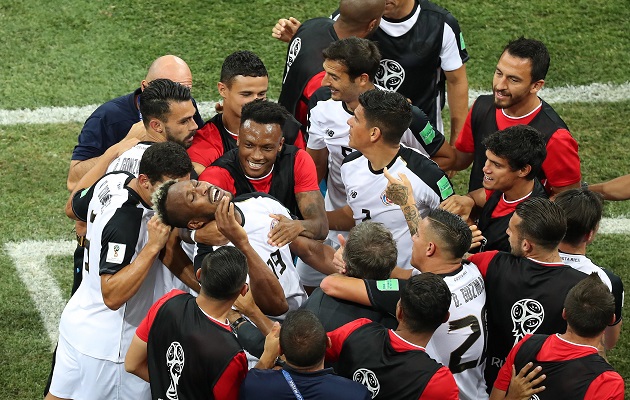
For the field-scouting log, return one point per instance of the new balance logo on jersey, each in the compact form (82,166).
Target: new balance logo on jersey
(390,74)
(330,132)
(368,379)
(353,194)
(527,316)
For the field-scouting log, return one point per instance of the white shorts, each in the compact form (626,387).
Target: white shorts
(77,376)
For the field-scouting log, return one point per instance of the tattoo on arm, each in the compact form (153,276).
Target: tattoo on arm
(412,217)
(311,205)
(398,193)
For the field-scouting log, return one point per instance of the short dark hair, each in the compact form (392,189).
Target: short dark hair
(159,205)
(533,50)
(303,339)
(583,210)
(264,112)
(156,98)
(359,56)
(370,251)
(244,63)
(453,233)
(389,111)
(589,307)
(520,145)
(543,222)
(425,301)
(166,159)
(223,273)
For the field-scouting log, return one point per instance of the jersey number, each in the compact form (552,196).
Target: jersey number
(367,214)
(454,362)
(275,262)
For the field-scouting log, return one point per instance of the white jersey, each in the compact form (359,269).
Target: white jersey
(365,193)
(584,264)
(129,161)
(117,231)
(255,208)
(460,342)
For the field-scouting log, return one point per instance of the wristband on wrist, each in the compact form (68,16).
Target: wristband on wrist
(236,324)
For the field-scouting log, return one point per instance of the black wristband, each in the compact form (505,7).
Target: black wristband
(235,325)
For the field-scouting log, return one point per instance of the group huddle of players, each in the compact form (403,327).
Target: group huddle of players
(195,239)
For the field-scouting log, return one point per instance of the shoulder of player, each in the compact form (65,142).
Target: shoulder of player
(419,164)
(352,157)
(550,113)
(314,24)
(320,99)
(117,110)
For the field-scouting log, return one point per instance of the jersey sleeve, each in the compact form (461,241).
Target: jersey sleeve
(219,177)
(229,383)
(562,165)
(505,373)
(441,386)
(607,386)
(315,129)
(450,58)
(465,142)
(119,239)
(91,140)
(305,173)
(145,326)
(429,138)
(384,294)
(482,260)
(339,336)
(618,293)
(452,23)
(81,202)
(207,145)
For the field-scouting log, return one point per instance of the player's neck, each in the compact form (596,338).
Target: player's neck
(231,122)
(217,309)
(440,266)
(419,339)
(545,256)
(571,336)
(153,136)
(343,30)
(524,107)
(380,156)
(314,368)
(521,189)
(573,249)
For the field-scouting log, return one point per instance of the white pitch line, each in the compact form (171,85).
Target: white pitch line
(593,93)
(29,258)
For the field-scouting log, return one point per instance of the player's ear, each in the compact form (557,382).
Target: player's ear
(375,134)
(222,88)
(447,316)
(281,143)
(536,86)
(195,224)
(564,314)
(523,172)
(328,342)
(198,274)
(244,289)
(156,125)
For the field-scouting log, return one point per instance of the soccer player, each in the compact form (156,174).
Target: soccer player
(264,163)
(243,79)
(584,209)
(303,72)
(514,157)
(303,343)
(125,241)
(518,77)
(185,347)
(525,289)
(423,51)
(369,253)
(441,241)
(379,122)
(569,361)
(394,364)
(190,205)
(350,67)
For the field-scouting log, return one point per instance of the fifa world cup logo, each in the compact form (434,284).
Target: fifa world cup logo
(368,379)
(295,48)
(527,316)
(390,75)
(175,365)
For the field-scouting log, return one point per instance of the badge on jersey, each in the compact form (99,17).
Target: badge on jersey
(84,192)
(389,285)
(462,44)
(446,189)
(115,253)
(427,134)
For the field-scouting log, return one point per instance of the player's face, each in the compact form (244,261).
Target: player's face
(514,236)
(512,82)
(180,126)
(394,8)
(420,243)
(359,130)
(258,147)
(242,90)
(195,199)
(497,173)
(342,87)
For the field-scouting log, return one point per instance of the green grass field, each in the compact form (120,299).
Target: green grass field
(77,53)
